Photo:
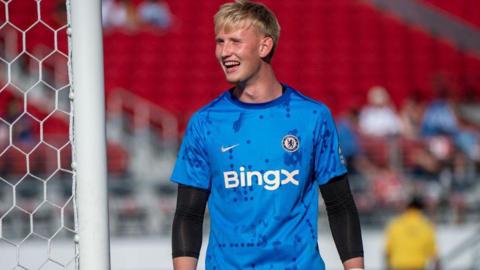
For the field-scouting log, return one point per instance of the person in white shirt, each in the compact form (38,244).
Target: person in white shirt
(378,117)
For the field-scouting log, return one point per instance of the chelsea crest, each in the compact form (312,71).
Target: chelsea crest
(290,143)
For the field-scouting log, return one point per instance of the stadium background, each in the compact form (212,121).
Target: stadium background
(334,51)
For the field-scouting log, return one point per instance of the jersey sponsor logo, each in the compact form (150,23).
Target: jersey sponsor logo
(290,143)
(270,180)
(225,149)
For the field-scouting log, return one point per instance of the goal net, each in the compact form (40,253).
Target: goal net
(37,183)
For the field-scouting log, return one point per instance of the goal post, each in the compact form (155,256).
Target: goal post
(89,135)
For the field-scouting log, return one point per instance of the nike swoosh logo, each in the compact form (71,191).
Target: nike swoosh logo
(225,149)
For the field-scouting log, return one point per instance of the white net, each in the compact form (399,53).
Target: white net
(37,212)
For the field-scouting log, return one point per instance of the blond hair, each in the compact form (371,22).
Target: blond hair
(246,13)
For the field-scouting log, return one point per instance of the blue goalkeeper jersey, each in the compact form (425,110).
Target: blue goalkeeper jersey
(263,164)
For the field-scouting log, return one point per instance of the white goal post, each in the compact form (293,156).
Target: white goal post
(89,132)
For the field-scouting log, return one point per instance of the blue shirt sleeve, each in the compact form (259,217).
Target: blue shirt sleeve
(192,166)
(329,161)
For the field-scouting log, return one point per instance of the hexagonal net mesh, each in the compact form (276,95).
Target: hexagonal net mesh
(37,207)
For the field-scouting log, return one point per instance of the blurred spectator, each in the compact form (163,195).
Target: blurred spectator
(119,13)
(411,115)
(469,115)
(440,119)
(378,117)
(424,165)
(357,164)
(347,127)
(155,13)
(410,240)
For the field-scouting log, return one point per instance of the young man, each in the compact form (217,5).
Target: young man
(258,153)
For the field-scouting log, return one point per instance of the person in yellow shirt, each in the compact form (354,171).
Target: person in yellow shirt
(410,240)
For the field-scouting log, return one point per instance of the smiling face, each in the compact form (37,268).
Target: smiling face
(240,50)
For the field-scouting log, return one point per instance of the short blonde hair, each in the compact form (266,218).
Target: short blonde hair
(231,15)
